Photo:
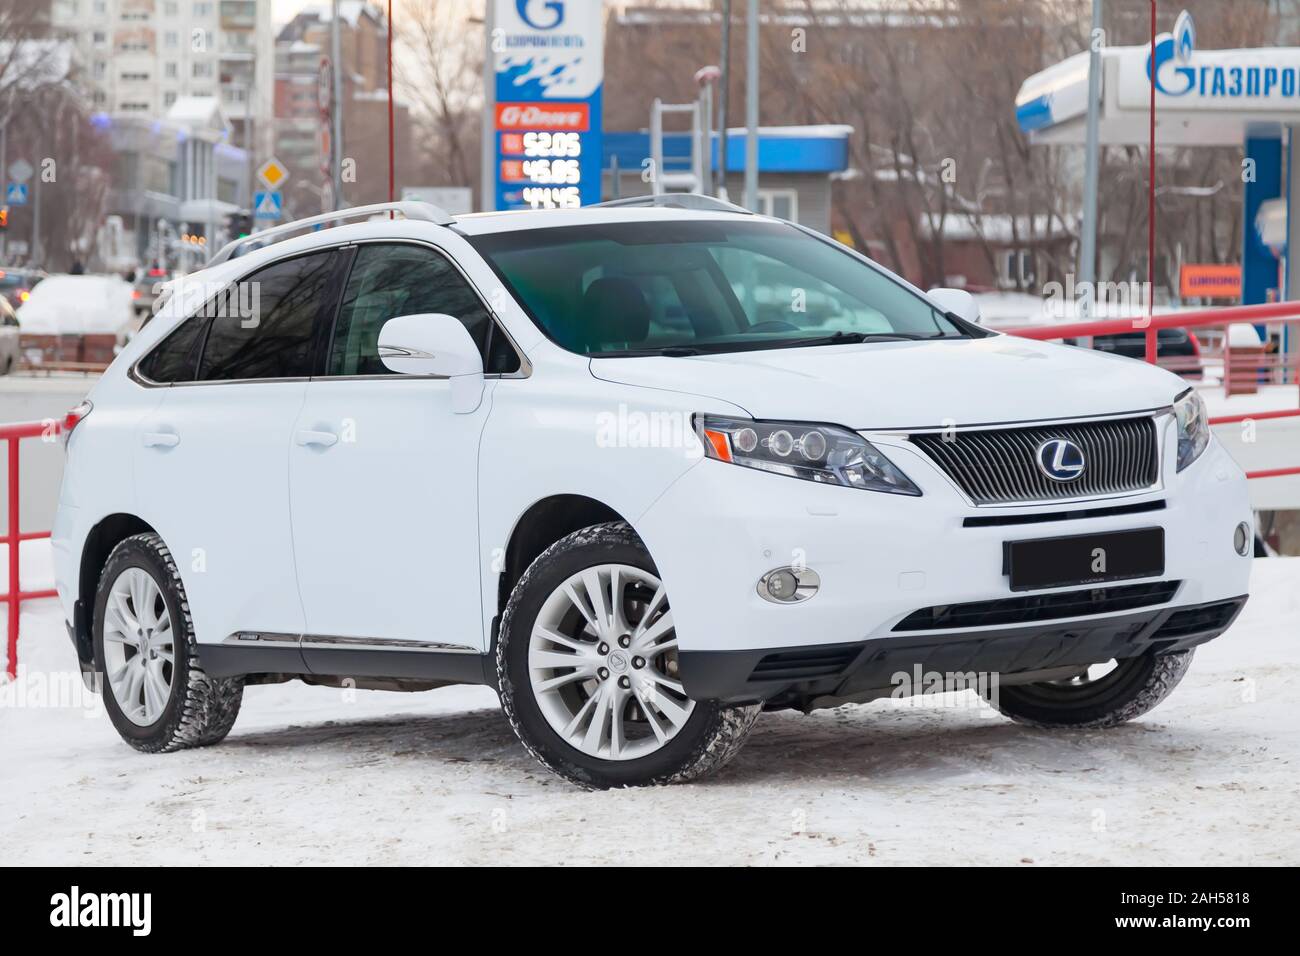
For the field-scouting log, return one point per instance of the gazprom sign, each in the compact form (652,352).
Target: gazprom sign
(549,66)
(1188,79)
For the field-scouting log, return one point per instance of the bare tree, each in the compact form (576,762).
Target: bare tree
(45,117)
(442,77)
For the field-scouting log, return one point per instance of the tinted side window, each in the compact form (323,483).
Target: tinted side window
(264,326)
(392,280)
(177,357)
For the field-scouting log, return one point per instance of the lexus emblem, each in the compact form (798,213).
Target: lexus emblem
(1060,459)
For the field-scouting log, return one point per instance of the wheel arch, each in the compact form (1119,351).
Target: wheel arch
(543,523)
(107,534)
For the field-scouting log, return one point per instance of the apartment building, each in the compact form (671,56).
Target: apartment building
(301,46)
(141,56)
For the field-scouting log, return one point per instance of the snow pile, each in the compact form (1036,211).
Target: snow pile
(78,305)
(315,775)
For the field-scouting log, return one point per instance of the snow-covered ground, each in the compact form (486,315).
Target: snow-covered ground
(313,775)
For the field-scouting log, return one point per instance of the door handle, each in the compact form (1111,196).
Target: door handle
(319,439)
(161,439)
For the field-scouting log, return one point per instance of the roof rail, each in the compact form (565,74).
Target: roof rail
(409,208)
(696,201)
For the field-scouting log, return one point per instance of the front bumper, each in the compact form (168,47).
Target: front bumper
(902,665)
(880,557)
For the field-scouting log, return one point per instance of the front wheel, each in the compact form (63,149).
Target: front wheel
(155,690)
(587,670)
(1102,695)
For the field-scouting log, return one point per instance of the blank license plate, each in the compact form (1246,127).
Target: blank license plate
(1084,558)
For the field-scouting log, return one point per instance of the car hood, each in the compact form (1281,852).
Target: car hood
(887,385)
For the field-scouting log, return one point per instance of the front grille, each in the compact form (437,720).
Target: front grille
(1000,465)
(1039,607)
(809,663)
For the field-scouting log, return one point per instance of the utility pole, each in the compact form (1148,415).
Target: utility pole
(1088,239)
(751,108)
(336,134)
(723,85)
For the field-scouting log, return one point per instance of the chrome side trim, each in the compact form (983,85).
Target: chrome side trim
(262,637)
(352,643)
(385,644)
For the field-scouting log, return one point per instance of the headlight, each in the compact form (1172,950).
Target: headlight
(1193,428)
(823,453)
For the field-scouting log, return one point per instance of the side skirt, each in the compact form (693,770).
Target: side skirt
(309,655)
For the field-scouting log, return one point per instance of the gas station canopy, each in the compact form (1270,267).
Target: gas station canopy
(1248,98)
(1203,97)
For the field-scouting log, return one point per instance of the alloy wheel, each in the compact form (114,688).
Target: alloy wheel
(602,661)
(139,650)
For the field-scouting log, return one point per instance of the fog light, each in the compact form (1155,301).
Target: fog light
(788,585)
(1241,539)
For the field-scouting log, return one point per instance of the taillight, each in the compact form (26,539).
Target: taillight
(23,295)
(74,418)
(1196,344)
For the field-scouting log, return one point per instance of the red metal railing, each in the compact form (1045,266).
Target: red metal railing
(1237,373)
(15,596)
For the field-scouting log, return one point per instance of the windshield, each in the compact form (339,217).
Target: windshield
(641,288)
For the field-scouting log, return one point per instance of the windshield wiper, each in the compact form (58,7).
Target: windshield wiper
(672,351)
(842,337)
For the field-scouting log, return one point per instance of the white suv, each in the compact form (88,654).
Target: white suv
(646,470)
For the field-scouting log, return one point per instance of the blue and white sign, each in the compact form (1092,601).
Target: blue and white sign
(1267,78)
(16,194)
(267,205)
(549,58)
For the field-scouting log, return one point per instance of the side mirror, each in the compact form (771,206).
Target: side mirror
(957,301)
(431,343)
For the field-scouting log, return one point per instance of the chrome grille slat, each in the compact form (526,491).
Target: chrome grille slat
(999,465)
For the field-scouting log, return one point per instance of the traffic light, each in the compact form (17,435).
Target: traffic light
(4,217)
(239,225)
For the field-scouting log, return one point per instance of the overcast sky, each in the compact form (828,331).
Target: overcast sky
(283,10)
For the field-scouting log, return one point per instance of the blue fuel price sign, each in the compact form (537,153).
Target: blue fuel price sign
(549,70)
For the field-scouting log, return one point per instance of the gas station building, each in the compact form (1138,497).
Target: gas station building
(1248,98)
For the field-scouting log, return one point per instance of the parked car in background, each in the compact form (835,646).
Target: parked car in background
(147,285)
(77,319)
(16,285)
(1179,347)
(9,344)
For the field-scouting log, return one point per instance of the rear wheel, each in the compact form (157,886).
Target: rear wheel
(155,690)
(1101,695)
(587,668)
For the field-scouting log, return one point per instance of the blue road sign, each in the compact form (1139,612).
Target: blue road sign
(16,194)
(267,205)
